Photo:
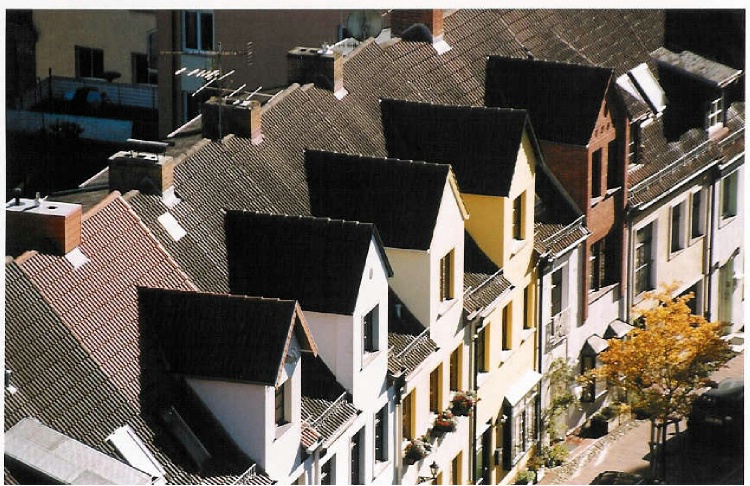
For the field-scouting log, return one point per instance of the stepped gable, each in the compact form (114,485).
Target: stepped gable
(402,198)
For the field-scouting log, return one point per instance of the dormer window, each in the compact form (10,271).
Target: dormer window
(446,276)
(715,112)
(280,404)
(518,210)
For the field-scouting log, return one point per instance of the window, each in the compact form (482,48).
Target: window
(381,432)
(356,452)
(436,398)
(588,394)
(89,62)
(693,304)
(597,265)
(518,230)
(677,238)
(406,415)
(613,166)
(482,459)
(557,291)
(697,218)
(596,174)
(455,371)
(446,276)
(635,140)
(280,404)
(456,469)
(370,331)
(729,196)
(141,72)
(520,429)
(325,472)
(527,309)
(643,259)
(199,30)
(715,112)
(507,328)
(481,350)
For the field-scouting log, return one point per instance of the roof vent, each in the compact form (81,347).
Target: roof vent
(37,224)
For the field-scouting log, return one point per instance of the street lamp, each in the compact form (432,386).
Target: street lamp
(433,470)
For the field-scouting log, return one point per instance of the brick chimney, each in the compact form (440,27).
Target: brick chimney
(242,120)
(402,20)
(324,67)
(36,224)
(147,172)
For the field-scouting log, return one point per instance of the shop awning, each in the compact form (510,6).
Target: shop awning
(522,387)
(617,329)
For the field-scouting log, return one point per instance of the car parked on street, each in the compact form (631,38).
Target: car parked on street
(618,477)
(717,416)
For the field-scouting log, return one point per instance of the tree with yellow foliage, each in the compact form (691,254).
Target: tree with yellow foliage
(663,361)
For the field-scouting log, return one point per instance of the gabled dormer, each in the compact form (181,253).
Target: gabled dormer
(419,213)
(338,272)
(494,154)
(241,357)
(697,88)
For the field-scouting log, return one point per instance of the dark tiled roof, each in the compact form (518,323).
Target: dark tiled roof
(563,100)
(481,144)
(98,301)
(62,386)
(484,282)
(409,341)
(317,261)
(697,66)
(222,336)
(402,198)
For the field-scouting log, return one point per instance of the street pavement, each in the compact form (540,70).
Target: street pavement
(626,449)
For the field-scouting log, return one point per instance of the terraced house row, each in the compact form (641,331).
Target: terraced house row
(366,277)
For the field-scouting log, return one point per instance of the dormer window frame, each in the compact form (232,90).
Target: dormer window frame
(447,272)
(282,412)
(370,334)
(715,113)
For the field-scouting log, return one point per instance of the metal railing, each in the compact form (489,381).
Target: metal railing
(121,94)
(558,328)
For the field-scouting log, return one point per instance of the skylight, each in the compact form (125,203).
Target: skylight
(134,451)
(176,232)
(649,86)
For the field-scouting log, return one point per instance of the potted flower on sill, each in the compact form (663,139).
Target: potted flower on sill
(463,402)
(416,450)
(526,477)
(444,422)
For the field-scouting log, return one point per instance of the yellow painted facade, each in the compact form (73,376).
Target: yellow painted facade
(119,33)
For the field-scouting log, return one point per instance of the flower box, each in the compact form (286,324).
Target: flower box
(463,403)
(444,422)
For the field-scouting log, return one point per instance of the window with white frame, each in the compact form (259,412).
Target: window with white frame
(557,292)
(355,448)
(715,110)
(446,276)
(381,432)
(729,195)
(370,331)
(643,258)
(326,470)
(481,350)
(677,227)
(281,404)
(698,214)
(89,62)
(198,32)
(518,216)
(522,426)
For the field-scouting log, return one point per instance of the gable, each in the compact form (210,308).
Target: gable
(402,198)
(563,100)
(316,261)
(481,144)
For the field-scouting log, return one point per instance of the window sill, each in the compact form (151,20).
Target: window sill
(597,294)
(675,253)
(380,467)
(516,246)
(369,357)
(481,378)
(281,430)
(445,305)
(726,220)
(695,239)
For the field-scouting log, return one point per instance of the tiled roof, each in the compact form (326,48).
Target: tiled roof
(697,66)
(98,301)
(231,337)
(61,385)
(409,341)
(317,261)
(270,177)
(666,165)
(484,282)
(734,144)
(402,198)
(482,144)
(563,100)
(554,238)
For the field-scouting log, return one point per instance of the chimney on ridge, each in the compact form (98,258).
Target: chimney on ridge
(45,226)
(242,119)
(324,67)
(405,23)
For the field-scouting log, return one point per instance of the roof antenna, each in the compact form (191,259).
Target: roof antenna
(17,195)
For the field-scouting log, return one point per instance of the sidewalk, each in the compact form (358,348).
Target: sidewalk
(626,449)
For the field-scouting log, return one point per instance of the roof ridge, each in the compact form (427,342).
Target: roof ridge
(93,210)
(502,109)
(394,160)
(552,61)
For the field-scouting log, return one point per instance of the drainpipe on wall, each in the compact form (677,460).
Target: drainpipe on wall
(709,252)
(473,418)
(545,265)
(629,294)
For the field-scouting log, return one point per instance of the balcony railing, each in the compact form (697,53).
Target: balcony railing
(558,328)
(119,94)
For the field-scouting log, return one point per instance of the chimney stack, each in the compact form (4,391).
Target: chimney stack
(36,224)
(403,20)
(324,67)
(143,171)
(242,120)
